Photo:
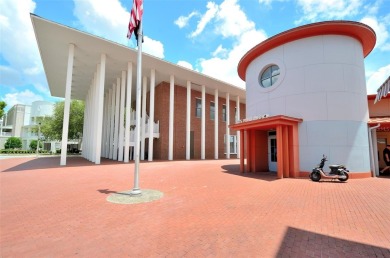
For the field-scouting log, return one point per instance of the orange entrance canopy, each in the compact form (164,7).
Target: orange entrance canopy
(254,142)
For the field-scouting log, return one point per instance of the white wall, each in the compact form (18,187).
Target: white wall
(321,81)
(41,109)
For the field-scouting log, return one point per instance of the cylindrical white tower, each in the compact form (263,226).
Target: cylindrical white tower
(315,72)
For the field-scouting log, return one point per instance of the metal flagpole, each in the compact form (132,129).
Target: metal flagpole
(136,190)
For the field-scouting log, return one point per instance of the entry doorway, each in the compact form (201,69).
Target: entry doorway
(272,152)
(382,143)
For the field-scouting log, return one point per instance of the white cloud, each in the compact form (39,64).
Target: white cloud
(223,63)
(182,21)
(382,35)
(206,18)
(229,25)
(377,78)
(220,51)
(314,10)
(19,47)
(153,47)
(25,97)
(109,19)
(185,64)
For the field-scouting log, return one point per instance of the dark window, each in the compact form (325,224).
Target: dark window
(224,113)
(198,108)
(212,111)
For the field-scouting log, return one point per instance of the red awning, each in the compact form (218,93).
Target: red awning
(383,90)
(383,121)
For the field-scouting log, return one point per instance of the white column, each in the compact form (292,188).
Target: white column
(216,134)
(90,122)
(86,133)
(112,122)
(95,115)
(188,122)
(238,132)
(151,113)
(128,109)
(121,117)
(84,127)
(108,123)
(99,110)
(68,88)
(227,125)
(203,126)
(143,120)
(116,122)
(93,118)
(103,149)
(171,115)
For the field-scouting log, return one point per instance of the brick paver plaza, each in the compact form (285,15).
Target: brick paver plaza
(208,209)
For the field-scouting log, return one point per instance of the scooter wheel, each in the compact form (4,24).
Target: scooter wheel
(346,177)
(315,177)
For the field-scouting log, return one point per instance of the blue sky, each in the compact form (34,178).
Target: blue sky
(207,36)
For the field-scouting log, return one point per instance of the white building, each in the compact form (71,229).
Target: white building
(310,81)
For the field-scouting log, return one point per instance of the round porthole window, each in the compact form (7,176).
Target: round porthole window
(269,76)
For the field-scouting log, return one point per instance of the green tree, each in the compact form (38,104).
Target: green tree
(33,145)
(13,143)
(51,127)
(2,106)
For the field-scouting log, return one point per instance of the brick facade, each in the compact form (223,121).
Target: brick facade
(160,145)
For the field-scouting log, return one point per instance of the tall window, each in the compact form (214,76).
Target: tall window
(232,142)
(224,112)
(198,108)
(212,110)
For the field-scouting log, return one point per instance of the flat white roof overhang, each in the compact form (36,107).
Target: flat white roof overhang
(53,42)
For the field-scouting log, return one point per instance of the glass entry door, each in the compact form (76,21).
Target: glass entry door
(272,153)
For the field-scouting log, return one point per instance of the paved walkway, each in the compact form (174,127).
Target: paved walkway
(208,210)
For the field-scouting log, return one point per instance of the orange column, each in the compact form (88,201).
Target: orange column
(248,150)
(253,151)
(294,151)
(279,149)
(242,150)
(286,167)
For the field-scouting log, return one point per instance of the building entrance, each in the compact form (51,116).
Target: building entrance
(272,152)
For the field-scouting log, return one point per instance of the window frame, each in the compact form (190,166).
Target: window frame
(198,108)
(234,147)
(212,110)
(224,112)
(272,78)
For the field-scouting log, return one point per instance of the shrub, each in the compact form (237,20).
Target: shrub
(33,145)
(13,143)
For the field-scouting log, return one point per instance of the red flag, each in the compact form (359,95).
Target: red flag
(135,17)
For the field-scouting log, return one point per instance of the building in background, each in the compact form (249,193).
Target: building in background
(39,110)
(379,122)
(13,121)
(21,120)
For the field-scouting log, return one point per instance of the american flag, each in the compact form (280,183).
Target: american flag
(135,17)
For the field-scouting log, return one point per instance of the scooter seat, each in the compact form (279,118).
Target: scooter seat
(336,166)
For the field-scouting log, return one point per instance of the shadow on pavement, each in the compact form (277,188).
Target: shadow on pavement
(106,191)
(235,170)
(54,162)
(301,243)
